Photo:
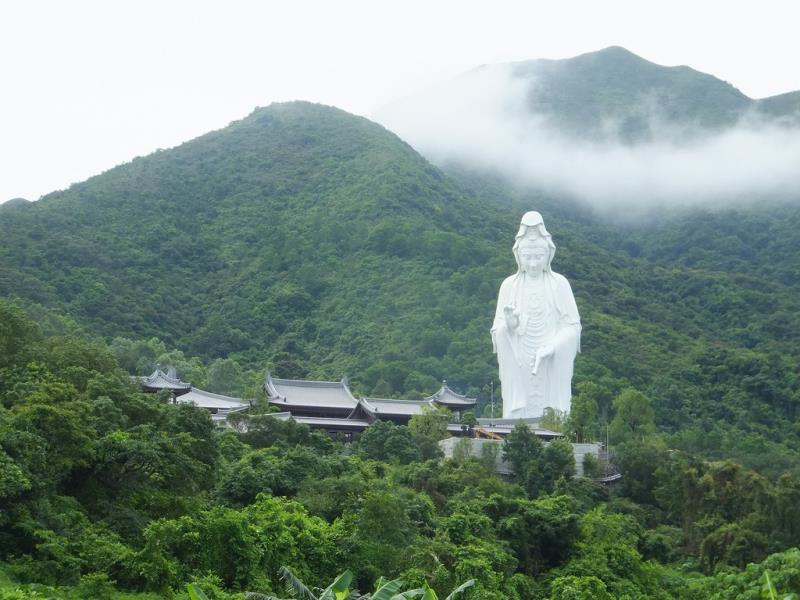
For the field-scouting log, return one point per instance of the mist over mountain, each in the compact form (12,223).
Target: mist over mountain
(610,129)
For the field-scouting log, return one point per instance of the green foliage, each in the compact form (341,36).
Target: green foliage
(554,420)
(607,551)
(428,429)
(591,466)
(634,419)
(386,441)
(196,593)
(582,420)
(537,467)
(750,583)
(573,587)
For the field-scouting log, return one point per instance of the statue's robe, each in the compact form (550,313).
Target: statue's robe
(526,395)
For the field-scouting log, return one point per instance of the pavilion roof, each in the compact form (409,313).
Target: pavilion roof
(447,397)
(159,380)
(299,392)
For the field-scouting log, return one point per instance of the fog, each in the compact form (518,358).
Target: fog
(481,120)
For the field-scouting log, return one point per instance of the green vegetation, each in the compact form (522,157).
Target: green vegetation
(106,491)
(317,244)
(314,243)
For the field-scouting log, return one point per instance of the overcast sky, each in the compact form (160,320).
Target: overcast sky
(87,85)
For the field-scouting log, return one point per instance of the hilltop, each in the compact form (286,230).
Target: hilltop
(609,94)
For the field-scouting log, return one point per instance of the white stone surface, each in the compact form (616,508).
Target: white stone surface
(477,445)
(536,330)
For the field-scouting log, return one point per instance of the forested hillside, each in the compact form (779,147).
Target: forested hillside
(315,243)
(106,492)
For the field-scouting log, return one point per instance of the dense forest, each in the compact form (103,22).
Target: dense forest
(105,490)
(315,244)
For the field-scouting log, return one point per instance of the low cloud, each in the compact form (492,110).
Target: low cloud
(482,119)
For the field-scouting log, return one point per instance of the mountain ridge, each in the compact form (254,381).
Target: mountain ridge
(609,94)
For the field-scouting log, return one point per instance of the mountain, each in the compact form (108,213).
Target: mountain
(316,243)
(14,203)
(300,228)
(783,107)
(609,130)
(580,95)
(607,94)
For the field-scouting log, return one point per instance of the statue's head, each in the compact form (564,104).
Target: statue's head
(533,248)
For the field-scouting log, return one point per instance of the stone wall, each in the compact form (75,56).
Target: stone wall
(480,447)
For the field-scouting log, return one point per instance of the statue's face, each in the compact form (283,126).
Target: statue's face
(533,256)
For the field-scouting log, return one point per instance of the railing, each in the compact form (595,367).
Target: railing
(608,470)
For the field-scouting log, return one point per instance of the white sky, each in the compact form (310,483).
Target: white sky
(87,85)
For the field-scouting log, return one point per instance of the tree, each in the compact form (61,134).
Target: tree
(575,587)
(639,462)
(553,419)
(582,419)
(225,377)
(634,419)
(523,450)
(17,332)
(387,441)
(558,460)
(428,429)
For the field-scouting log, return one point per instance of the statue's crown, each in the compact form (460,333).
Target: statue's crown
(532,238)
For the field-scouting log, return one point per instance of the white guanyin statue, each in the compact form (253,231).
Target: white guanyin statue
(537,329)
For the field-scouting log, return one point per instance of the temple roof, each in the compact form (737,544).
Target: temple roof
(159,380)
(298,392)
(448,397)
(332,422)
(208,400)
(385,406)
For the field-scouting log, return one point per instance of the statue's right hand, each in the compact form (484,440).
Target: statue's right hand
(511,315)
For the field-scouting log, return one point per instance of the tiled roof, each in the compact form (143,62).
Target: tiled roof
(448,397)
(385,406)
(208,400)
(163,381)
(323,421)
(298,392)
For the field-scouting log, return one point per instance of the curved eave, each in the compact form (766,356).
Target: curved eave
(447,397)
(271,387)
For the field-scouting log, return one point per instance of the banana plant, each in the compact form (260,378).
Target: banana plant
(195,593)
(768,590)
(385,589)
(427,593)
(338,590)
